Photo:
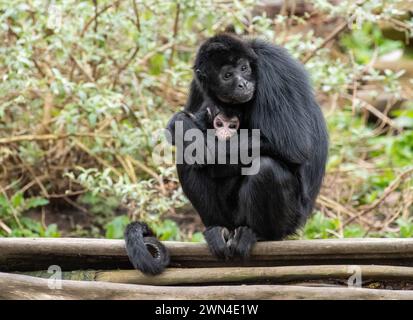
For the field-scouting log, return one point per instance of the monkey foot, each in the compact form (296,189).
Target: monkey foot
(217,238)
(228,245)
(241,242)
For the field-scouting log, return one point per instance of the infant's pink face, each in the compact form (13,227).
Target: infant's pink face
(225,127)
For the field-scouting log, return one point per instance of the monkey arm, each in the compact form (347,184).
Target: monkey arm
(188,121)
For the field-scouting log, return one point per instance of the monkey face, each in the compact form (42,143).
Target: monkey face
(225,127)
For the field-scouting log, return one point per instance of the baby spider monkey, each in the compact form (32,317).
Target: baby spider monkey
(225,122)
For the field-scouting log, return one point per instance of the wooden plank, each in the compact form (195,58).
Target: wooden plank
(179,276)
(20,254)
(14,286)
(173,276)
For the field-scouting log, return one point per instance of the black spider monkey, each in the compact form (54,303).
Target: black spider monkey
(271,92)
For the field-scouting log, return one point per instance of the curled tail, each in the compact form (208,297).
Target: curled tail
(145,251)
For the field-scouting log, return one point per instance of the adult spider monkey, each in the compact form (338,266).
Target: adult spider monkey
(271,92)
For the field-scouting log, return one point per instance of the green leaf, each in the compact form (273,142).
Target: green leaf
(4,205)
(36,202)
(116,228)
(197,237)
(406,227)
(354,231)
(167,230)
(17,200)
(321,227)
(157,63)
(52,231)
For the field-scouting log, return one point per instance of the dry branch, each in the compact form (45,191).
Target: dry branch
(390,188)
(14,286)
(85,72)
(125,65)
(340,28)
(97,14)
(71,254)
(373,110)
(42,137)
(175,33)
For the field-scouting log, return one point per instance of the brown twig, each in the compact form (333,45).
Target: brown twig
(5,227)
(97,14)
(38,181)
(98,159)
(148,56)
(41,137)
(74,204)
(338,207)
(82,69)
(95,4)
(43,127)
(125,65)
(148,170)
(39,68)
(380,115)
(127,167)
(175,33)
(340,28)
(136,11)
(67,194)
(391,188)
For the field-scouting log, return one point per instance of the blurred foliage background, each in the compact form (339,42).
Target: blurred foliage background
(86,84)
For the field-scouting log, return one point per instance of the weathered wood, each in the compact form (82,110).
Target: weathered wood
(14,286)
(174,276)
(79,275)
(20,254)
(187,276)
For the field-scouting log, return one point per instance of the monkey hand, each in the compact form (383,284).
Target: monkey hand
(241,241)
(217,238)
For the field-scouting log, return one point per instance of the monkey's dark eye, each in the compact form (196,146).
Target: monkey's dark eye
(244,67)
(219,124)
(228,75)
(233,126)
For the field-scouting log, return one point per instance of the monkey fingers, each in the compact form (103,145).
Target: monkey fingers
(217,238)
(241,241)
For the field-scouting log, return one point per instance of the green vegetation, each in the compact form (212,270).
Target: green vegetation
(84,89)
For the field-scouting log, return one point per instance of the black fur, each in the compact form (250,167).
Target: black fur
(275,202)
(272,204)
(145,252)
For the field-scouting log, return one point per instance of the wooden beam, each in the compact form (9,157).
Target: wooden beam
(13,286)
(22,254)
(174,276)
(273,275)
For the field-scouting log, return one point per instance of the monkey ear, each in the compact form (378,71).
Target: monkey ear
(251,54)
(200,74)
